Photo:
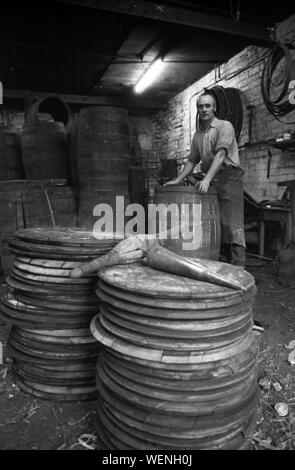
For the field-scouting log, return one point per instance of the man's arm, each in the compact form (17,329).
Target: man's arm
(187,170)
(203,185)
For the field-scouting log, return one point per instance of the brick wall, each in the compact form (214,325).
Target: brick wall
(169,132)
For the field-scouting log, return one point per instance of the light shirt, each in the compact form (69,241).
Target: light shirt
(206,143)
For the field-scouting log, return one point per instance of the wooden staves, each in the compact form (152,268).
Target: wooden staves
(51,343)
(202,224)
(178,369)
(33,203)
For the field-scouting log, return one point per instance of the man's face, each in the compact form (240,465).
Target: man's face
(206,107)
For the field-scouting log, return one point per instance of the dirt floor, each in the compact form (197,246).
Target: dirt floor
(28,423)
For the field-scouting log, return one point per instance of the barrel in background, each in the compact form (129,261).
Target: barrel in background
(203,216)
(103,151)
(45,151)
(11,165)
(55,106)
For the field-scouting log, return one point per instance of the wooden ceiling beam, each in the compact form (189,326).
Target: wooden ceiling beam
(130,102)
(182,16)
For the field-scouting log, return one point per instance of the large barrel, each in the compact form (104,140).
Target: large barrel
(179,364)
(11,166)
(103,151)
(198,216)
(28,204)
(45,151)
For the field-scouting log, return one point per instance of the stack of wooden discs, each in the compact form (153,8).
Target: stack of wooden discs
(54,352)
(178,370)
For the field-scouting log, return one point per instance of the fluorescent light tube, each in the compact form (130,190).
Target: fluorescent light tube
(149,76)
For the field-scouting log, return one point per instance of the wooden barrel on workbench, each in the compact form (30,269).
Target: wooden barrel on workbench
(11,166)
(103,151)
(33,203)
(179,364)
(199,235)
(45,150)
(54,353)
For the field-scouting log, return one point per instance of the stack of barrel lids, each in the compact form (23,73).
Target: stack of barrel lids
(178,369)
(102,154)
(53,350)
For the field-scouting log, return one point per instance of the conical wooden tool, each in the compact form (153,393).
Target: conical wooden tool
(160,258)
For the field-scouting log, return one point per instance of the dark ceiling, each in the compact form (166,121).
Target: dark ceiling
(99,48)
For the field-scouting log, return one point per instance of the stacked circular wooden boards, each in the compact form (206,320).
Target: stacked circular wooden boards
(52,346)
(178,368)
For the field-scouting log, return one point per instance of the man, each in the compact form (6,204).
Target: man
(215,146)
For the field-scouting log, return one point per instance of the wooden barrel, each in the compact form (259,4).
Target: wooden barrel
(53,105)
(45,151)
(137,185)
(72,147)
(11,166)
(103,151)
(27,204)
(179,364)
(199,235)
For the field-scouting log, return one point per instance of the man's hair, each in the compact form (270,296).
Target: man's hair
(207,93)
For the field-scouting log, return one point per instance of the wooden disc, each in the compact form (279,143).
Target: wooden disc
(70,236)
(170,326)
(53,393)
(48,272)
(218,368)
(197,402)
(177,303)
(161,355)
(184,381)
(177,422)
(201,342)
(145,281)
(191,330)
(173,311)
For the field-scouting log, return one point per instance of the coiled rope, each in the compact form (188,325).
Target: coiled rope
(280,105)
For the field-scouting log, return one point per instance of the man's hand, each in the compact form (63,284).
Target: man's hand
(172,182)
(203,186)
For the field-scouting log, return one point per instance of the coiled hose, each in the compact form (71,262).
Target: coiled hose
(280,105)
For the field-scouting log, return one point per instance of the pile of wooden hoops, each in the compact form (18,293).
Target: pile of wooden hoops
(178,369)
(53,351)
